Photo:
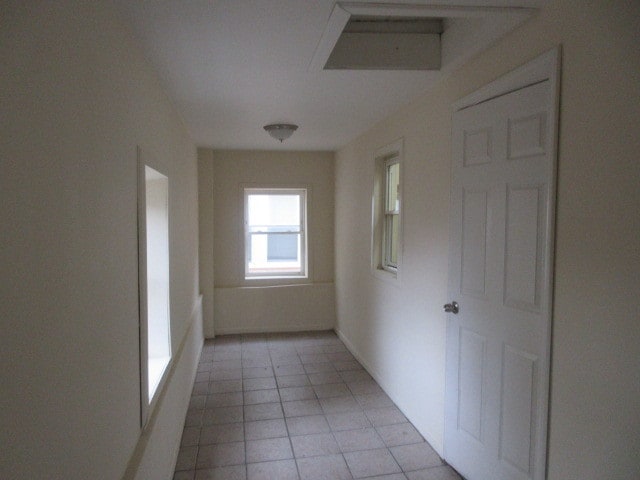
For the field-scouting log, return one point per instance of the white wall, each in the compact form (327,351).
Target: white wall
(274,305)
(399,331)
(77,98)
(205,245)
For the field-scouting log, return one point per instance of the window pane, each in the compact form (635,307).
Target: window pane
(391,241)
(393,184)
(393,254)
(274,228)
(283,248)
(273,213)
(277,253)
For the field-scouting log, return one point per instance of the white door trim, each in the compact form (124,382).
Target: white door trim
(546,67)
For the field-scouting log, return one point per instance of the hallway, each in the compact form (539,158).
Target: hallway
(296,406)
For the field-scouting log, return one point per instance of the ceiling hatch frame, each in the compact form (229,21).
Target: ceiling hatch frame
(457,44)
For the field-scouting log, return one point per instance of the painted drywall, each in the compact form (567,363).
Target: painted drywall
(205,245)
(277,305)
(398,330)
(78,97)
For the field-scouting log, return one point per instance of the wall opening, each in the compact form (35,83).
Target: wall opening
(153,246)
(158,324)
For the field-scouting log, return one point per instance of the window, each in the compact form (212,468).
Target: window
(158,326)
(391,213)
(387,200)
(275,232)
(153,247)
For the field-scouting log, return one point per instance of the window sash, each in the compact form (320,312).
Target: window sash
(391,203)
(392,174)
(285,269)
(275,230)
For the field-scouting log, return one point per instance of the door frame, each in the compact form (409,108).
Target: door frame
(545,67)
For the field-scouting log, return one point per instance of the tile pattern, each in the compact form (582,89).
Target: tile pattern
(296,406)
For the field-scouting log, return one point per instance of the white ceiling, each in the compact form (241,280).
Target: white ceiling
(233,66)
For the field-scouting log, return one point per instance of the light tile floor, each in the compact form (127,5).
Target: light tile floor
(296,406)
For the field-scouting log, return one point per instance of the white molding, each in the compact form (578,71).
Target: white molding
(142,288)
(544,67)
(393,148)
(337,21)
(407,10)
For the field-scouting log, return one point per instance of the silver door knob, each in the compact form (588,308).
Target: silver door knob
(452,307)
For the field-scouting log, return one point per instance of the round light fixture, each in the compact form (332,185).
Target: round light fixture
(281,131)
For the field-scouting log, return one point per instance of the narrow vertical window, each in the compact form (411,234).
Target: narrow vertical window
(153,247)
(391,214)
(158,326)
(275,233)
(386,228)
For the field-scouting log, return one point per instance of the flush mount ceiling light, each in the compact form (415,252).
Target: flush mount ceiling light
(281,131)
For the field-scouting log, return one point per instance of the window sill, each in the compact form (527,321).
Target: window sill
(157,367)
(275,281)
(386,275)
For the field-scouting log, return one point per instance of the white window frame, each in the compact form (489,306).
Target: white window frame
(150,388)
(381,266)
(387,234)
(304,263)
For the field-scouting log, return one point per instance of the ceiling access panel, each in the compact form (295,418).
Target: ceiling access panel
(383,43)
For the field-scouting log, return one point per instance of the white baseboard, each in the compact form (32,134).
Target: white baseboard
(378,378)
(360,358)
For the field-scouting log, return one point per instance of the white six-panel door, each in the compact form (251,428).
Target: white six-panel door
(501,246)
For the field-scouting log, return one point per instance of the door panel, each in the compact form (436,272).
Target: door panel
(498,274)
(477,147)
(524,239)
(526,136)
(518,401)
(474,242)
(472,357)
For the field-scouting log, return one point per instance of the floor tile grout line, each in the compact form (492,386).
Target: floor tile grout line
(310,346)
(293,453)
(244,423)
